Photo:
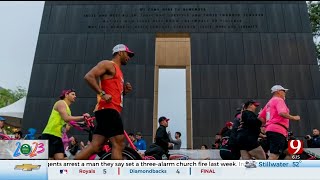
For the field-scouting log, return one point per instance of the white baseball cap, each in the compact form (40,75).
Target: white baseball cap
(122,47)
(276,88)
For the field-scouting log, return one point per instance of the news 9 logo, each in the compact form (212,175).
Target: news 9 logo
(295,147)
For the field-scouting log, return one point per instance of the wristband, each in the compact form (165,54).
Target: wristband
(102,93)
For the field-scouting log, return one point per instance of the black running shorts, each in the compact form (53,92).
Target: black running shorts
(109,123)
(55,144)
(247,142)
(277,142)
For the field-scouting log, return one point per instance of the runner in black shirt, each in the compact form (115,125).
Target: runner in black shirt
(248,132)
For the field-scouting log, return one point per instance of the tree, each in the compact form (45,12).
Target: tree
(20,93)
(314,15)
(8,96)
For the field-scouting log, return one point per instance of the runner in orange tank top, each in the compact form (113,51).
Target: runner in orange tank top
(110,88)
(114,87)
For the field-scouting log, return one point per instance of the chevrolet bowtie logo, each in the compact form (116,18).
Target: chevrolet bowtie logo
(27,167)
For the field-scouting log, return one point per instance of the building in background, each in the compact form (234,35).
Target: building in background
(232,51)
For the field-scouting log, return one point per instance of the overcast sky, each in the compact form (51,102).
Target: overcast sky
(20,24)
(172,85)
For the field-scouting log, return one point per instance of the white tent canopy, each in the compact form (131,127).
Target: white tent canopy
(13,113)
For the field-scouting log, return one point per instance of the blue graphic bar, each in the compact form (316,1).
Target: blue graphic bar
(288,164)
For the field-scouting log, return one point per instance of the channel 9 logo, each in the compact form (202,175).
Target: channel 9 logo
(295,147)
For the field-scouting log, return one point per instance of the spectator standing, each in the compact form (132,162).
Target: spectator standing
(2,130)
(132,138)
(177,142)
(18,135)
(313,141)
(204,147)
(140,142)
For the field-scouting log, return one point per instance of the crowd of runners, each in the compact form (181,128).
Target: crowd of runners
(264,134)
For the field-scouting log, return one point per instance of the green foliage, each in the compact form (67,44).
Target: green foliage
(314,15)
(8,96)
(9,129)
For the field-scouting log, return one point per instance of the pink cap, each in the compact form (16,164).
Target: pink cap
(66,91)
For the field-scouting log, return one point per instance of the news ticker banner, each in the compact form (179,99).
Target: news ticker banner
(158,169)
(24,149)
(185,169)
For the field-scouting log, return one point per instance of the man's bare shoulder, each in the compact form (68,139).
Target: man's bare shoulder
(60,103)
(105,61)
(105,64)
